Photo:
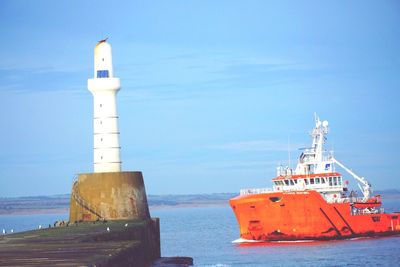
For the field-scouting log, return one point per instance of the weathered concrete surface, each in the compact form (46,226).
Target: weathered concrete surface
(84,244)
(173,262)
(109,196)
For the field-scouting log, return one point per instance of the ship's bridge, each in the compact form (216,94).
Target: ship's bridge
(330,185)
(312,181)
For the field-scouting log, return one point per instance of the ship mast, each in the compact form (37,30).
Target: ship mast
(318,135)
(312,160)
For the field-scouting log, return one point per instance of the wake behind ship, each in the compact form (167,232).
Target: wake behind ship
(312,202)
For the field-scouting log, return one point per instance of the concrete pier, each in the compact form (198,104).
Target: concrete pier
(127,243)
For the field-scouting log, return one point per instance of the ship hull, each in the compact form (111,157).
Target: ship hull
(305,215)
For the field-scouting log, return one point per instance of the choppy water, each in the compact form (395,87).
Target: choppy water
(206,234)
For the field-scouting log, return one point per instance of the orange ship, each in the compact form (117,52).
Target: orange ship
(312,202)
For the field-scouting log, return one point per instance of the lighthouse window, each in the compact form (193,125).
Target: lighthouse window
(102,74)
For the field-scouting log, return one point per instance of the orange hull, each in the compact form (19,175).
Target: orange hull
(303,215)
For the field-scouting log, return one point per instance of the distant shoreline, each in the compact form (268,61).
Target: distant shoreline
(34,211)
(59,204)
(66,209)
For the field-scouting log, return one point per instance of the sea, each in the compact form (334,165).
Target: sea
(206,235)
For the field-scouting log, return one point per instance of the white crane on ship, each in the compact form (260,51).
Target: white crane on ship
(364,185)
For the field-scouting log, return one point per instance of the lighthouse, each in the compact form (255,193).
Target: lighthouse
(104,88)
(107,193)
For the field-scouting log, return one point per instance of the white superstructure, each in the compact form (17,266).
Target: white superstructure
(104,87)
(316,170)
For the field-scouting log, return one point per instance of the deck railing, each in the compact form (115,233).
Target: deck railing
(251,191)
(367,211)
(349,200)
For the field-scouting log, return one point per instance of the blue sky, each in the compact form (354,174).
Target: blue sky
(211,90)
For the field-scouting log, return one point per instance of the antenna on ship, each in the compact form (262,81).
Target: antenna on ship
(289,152)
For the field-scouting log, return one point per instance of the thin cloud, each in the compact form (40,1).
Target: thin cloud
(41,79)
(241,165)
(256,145)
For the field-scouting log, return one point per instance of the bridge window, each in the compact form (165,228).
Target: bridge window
(102,74)
(330,181)
(312,181)
(279,183)
(291,182)
(335,181)
(286,182)
(306,181)
(317,180)
(322,180)
(339,180)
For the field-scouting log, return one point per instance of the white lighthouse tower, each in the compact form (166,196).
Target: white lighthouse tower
(107,193)
(104,87)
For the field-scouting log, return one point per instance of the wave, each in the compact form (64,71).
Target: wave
(216,265)
(242,240)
